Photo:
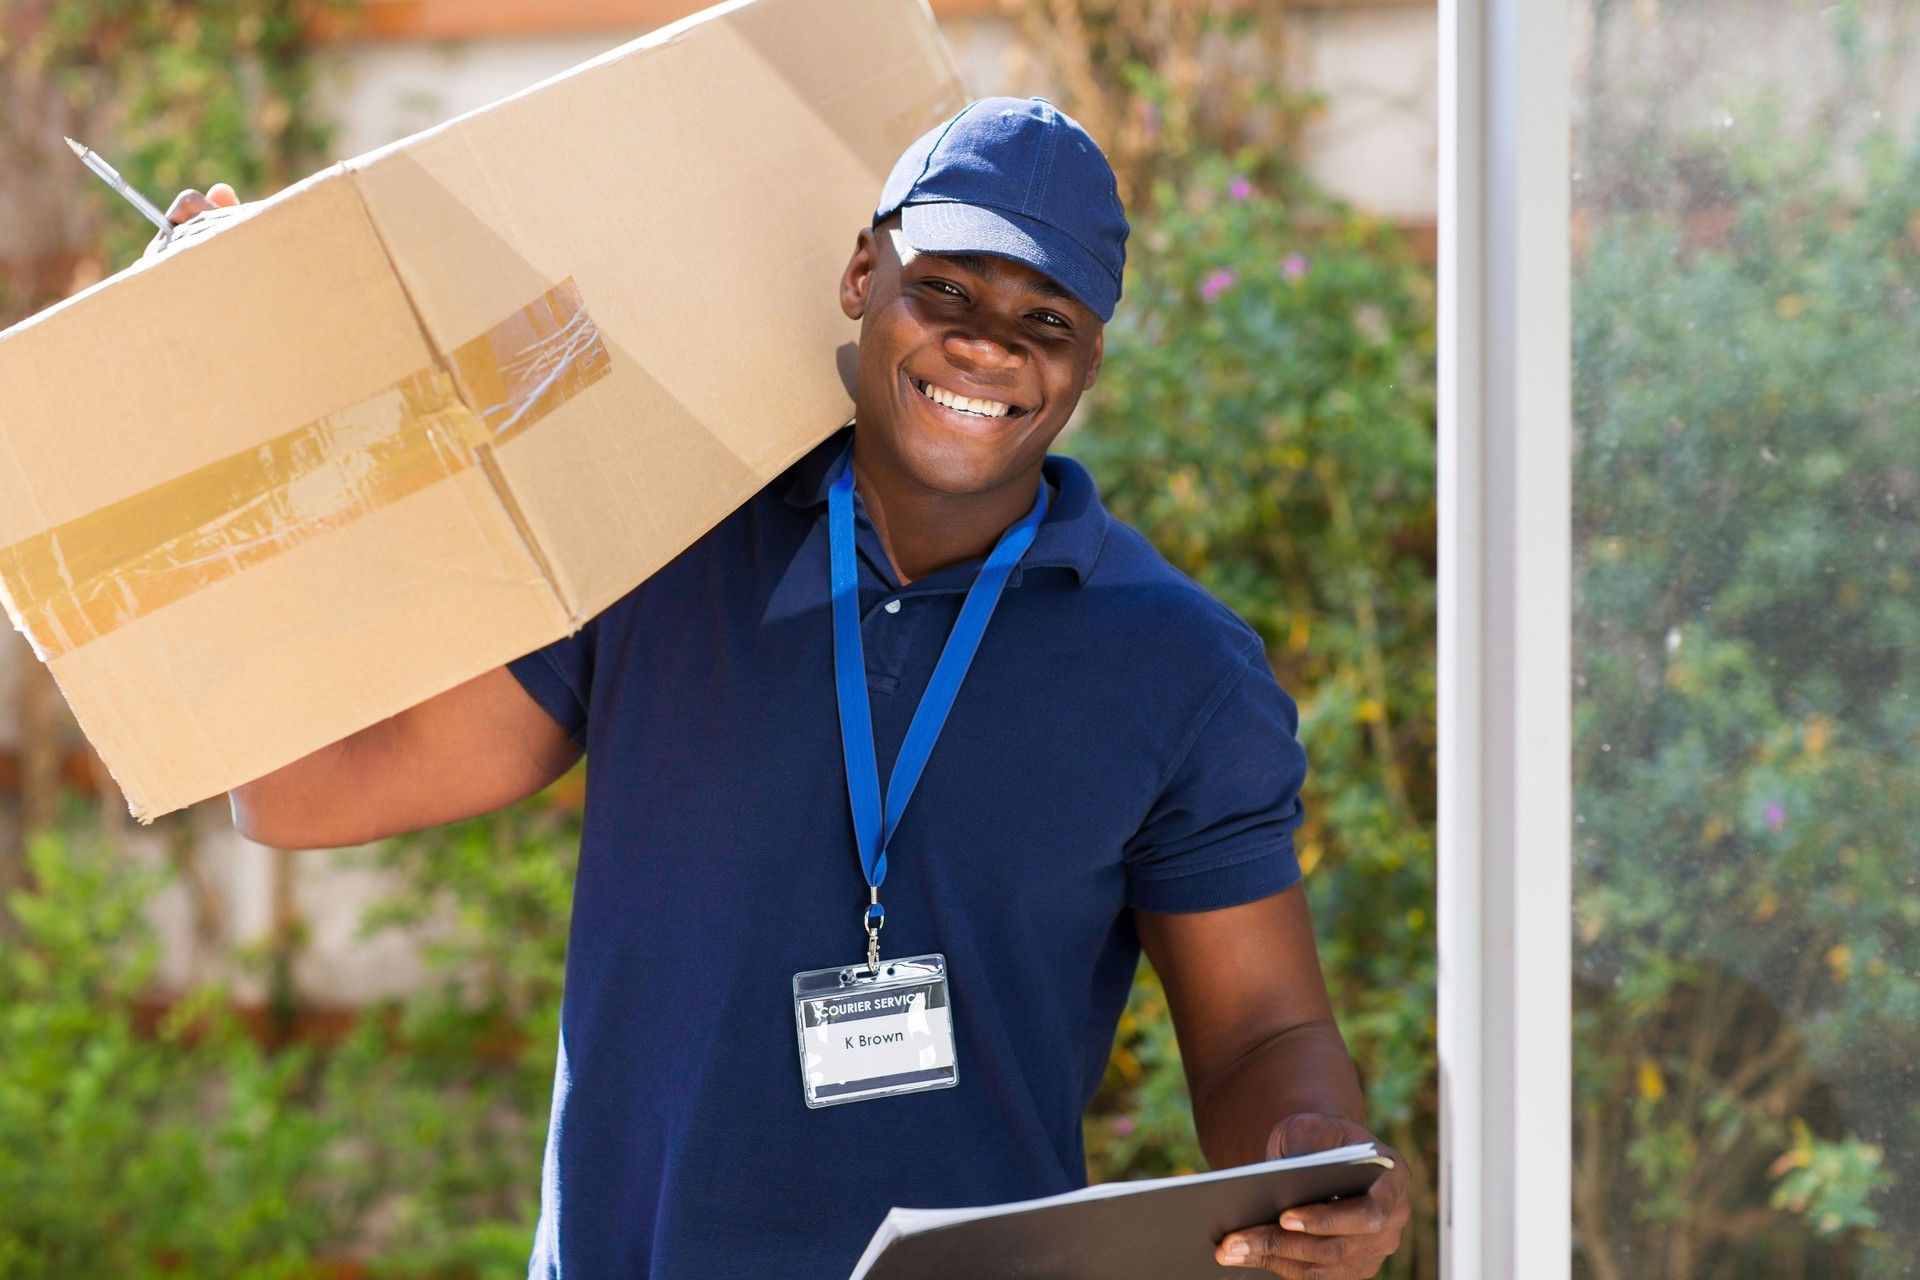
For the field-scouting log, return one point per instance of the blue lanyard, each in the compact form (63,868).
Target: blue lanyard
(873,830)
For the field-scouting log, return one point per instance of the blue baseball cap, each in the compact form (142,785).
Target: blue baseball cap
(1015,178)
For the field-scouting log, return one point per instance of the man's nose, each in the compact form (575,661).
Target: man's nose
(984,350)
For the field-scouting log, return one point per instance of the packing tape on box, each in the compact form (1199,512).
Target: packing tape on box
(82,579)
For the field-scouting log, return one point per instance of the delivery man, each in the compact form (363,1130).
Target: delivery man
(895,773)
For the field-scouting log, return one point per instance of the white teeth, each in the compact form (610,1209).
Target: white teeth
(965,404)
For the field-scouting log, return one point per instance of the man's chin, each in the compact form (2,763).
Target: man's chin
(953,468)
(958,461)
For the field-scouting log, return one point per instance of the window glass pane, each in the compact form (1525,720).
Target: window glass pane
(1747,639)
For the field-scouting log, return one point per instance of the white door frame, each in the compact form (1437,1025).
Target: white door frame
(1505,737)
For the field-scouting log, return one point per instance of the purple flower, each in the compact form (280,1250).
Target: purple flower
(1240,189)
(1150,120)
(1776,815)
(1217,282)
(1123,1126)
(1293,266)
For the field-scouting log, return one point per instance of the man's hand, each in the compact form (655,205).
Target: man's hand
(1339,1240)
(188,206)
(1270,1076)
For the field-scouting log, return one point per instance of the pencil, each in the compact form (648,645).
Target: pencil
(111,176)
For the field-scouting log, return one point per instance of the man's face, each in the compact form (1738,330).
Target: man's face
(969,365)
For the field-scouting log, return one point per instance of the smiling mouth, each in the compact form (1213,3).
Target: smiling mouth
(974,405)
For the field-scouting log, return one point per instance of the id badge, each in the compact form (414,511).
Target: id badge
(872,1035)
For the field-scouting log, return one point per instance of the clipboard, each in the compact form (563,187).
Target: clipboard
(1156,1229)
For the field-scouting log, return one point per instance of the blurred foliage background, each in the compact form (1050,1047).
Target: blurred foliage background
(1748,937)
(1747,705)
(1266,417)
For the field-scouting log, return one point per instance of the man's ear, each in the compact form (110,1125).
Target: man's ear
(1099,354)
(856,282)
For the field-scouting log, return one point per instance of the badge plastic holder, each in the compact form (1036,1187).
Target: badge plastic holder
(866,1034)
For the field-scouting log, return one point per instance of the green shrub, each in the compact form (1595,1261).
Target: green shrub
(1748,723)
(186,1148)
(129,1152)
(449,1089)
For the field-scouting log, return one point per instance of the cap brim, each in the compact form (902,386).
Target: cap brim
(950,227)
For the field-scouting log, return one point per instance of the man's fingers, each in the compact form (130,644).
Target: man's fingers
(191,203)
(186,205)
(1287,1253)
(1306,1131)
(1360,1216)
(1335,1240)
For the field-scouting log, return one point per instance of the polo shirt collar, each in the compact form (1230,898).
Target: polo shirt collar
(1069,538)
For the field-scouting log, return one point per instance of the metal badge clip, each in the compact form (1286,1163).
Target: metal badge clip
(873,919)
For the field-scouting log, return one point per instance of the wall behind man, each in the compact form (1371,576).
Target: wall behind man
(1374,62)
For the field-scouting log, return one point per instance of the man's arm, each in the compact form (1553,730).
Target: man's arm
(1269,1074)
(469,751)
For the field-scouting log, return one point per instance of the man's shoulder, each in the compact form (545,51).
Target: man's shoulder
(1135,586)
(738,557)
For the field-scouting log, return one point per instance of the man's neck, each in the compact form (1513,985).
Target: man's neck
(924,532)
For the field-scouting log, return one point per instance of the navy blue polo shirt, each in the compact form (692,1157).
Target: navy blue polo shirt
(1119,743)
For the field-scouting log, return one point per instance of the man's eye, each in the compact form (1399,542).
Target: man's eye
(941,286)
(1052,319)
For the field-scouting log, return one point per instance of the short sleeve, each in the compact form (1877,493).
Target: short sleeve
(560,678)
(1221,832)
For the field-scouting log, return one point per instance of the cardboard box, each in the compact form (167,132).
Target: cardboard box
(439,405)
